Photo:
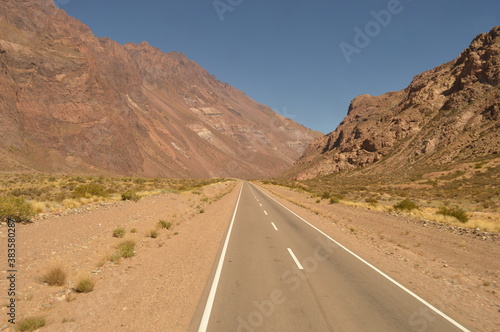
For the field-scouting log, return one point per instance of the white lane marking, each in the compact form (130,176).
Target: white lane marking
(260,204)
(265,212)
(211,296)
(421,300)
(276,228)
(295,259)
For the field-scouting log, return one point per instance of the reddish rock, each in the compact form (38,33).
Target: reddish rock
(447,114)
(72,102)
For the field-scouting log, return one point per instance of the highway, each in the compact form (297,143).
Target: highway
(277,272)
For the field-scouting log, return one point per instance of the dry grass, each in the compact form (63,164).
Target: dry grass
(31,323)
(85,284)
(473,187)
(153,234)
(119,232)
(50,193)
(126,249)
(55,276)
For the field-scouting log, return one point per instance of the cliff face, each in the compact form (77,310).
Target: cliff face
(447,114)
(70,101)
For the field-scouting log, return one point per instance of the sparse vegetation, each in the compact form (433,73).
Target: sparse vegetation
(85,285)
(119,232)
(115,258)
(88,190)
(130,195)
(126,249)
(455,212)
(31,323)
(55,276)
(49,193)
(334,200)
(473,186)
(165,224)
(16,209)
(406,205)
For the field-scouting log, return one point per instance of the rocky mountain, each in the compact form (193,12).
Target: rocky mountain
(72,102)
(447,114)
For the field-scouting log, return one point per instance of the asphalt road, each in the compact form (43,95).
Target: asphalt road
(277,272)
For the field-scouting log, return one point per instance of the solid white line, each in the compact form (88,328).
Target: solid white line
(211,296)
(437,311)
(265,212)
(276,228)
(295,259)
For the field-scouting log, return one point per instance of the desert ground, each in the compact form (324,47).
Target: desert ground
(159,288)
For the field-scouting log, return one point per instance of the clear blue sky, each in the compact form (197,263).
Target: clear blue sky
(286,53)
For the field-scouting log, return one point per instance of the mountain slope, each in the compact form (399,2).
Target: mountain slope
(72,102)
(447,114)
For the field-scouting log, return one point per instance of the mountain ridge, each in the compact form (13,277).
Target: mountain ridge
(446,114)
(78,103)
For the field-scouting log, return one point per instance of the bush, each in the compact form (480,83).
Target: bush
(16,209)
(371,200)
(130,195)
(115,258)
(85,285)
(334,200)
(119,232)
(126,249)
(325,195)
(153,234)
(56,276)
(133,230)
(406,204)
(455,212)
(31,324)
(88,190)
(165,224)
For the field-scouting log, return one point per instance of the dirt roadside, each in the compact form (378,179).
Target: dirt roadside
(156,290)
(458,274)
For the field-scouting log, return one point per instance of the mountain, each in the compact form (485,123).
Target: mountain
(447,114)
(72,102)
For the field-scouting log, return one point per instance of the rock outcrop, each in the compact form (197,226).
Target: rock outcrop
(72,102)
(447,114)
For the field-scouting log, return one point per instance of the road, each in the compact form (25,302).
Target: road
(277,272)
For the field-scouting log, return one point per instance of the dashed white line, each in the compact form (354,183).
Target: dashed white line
(265,212)
(276,228)
(295,259)
(421,300)
(260,204)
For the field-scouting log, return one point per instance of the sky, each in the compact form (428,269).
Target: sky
(305,59)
